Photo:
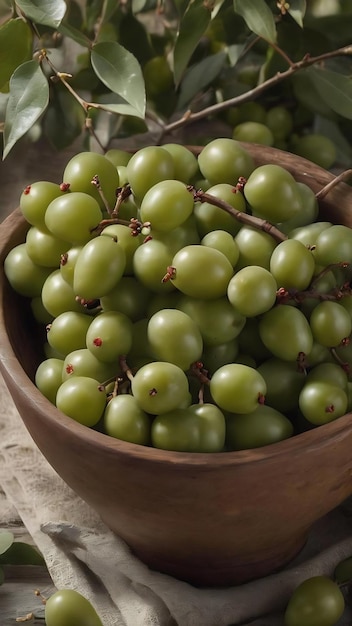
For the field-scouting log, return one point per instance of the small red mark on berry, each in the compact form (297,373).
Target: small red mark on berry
(64,186)
(261,398)
(98,342)
(64,258)
(27,190)
(69,368)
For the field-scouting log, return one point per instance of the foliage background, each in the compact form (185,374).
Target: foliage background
(101,72)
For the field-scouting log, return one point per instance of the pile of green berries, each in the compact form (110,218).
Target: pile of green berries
(195,304)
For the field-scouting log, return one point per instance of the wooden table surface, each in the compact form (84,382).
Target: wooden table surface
(17,594)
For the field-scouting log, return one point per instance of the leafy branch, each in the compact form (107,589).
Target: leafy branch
(148,79)
(254,93)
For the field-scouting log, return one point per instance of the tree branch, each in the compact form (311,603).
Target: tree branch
(307,61)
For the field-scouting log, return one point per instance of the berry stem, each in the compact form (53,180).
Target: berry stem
(125,368)
(198,370)
(241,216)
(122,194)
(344,364)
(327,269)
(96,182)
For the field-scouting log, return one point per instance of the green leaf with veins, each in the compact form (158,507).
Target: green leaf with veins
(47,12)
(121,108)
(334,88)
(193,25)
(19,31)
(258,17)
(73,33)
(29,97)
(297,10)
(120,71)
(200,76)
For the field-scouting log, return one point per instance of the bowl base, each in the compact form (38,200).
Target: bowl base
(224,572)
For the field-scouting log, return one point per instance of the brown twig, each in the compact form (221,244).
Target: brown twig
(329,186)
(125,368)
(241,216)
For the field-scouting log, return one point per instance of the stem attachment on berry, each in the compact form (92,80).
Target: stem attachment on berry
(197,368)
(170,274)
(302,362)
(344,364)
(122,193)
(125,368)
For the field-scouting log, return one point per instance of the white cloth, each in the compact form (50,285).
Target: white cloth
(83,554)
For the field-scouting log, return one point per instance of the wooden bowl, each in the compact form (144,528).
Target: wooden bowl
(209,519)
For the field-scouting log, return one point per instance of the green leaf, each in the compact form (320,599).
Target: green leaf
(121,109)
(113,103)
(134,36)
(13,30)
(216,7)
(193,25)
(297,10)
(180,6)
(6,540)
(234,52)
(48,12)
(120,71)
(335,89)
(200,76)
(337,28)
(73,33)
(108,10)
(29,97)
(21,553)
(74,14)
(64,118)
(92,12)
(138,5)
(307,95)
(258,17)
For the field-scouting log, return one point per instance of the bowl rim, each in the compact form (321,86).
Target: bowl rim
(15,377)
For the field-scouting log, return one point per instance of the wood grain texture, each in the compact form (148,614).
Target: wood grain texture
(17,597)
